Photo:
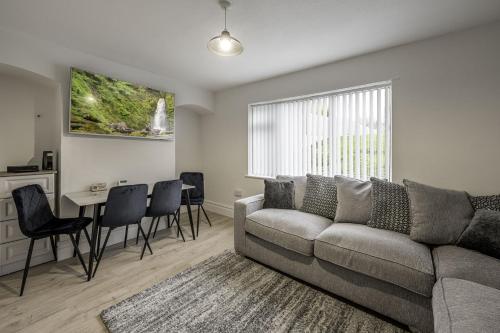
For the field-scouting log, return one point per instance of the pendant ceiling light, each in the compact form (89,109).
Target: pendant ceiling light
(225,45)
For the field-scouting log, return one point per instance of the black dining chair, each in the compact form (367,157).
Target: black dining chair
(165,201)
(37,221)
(196,195)
(126,205)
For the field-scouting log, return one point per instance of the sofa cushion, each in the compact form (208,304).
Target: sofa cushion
(438,216)
(456,262)
(483,233)
(461,306)
(300,188)
(386,255)
(279,194)
(390,206)
(491,202)
(321,196)
(292,229)
(354,200)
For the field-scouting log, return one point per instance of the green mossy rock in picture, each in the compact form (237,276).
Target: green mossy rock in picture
(105,106)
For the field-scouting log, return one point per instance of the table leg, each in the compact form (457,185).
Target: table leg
(93,241)
(188,206)
(81,213)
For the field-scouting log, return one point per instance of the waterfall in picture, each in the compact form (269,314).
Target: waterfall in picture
(159,121)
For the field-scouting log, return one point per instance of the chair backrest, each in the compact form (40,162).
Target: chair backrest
(195,179)
(125,205)
(166,198)
(33,209)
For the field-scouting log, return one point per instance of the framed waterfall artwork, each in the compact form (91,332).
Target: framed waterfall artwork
(104,106)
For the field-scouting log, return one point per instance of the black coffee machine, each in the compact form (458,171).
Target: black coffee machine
(48,160)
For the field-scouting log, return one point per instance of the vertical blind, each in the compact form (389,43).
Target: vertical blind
(345,132)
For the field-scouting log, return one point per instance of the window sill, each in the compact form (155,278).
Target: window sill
(258,177)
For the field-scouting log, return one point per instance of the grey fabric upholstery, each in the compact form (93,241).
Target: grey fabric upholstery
(354,200)
(385,298)
(300,188)
(291,229)
(386,255)
(456,262)
(438,216)
(483,233)
(279,194)
(243,208)
(461,306)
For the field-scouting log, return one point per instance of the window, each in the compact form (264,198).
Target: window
(344,132)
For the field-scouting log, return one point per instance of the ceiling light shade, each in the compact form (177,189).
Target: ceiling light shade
(224,44)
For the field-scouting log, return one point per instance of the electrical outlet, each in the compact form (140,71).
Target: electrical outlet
(238,193)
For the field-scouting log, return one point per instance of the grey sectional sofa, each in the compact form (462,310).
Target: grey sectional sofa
(381,270)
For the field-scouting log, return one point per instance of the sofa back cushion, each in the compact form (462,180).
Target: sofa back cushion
(320,197)
(354,200)
(390,208)
(438,216)
(300,188)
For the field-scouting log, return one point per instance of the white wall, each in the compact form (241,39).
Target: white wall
(187,140)
(27,120)
(446,113)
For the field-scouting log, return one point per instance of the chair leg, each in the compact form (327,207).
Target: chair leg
(87,236)
(102,251)
(53,245)
(145,238)
(208,220)
(77,242)
(137,237)
(27,266)
(179,229)
(149,234)
(98,243)
(198,222)
(126,235)
(77,250)
(177,217)
(168,221)
(156,228)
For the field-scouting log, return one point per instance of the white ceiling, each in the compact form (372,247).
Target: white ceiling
(169,36)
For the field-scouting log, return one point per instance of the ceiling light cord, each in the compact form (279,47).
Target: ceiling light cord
(225,18)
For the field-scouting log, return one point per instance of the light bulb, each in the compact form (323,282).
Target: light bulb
(225,44)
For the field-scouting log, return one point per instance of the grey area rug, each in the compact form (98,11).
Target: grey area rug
(230,293)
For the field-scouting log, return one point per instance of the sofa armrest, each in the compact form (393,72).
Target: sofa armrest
(243,208)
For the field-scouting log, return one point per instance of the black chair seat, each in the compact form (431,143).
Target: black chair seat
(62,226)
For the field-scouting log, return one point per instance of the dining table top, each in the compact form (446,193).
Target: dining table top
(87,198)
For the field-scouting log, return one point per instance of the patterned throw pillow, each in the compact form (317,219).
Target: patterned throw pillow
(321,196)
(390,207)
(491,202)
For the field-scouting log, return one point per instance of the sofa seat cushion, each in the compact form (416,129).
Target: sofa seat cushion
(461,306)
(382,254)
(456,262)
(292,229)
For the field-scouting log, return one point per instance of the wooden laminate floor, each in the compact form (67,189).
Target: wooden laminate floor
(57,297)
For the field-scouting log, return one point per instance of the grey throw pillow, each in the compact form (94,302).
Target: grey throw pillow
(438,216)
(354,200)
(483,233)
(321,196)
(279,194)
(491,202)
(300,188)
(390,207)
